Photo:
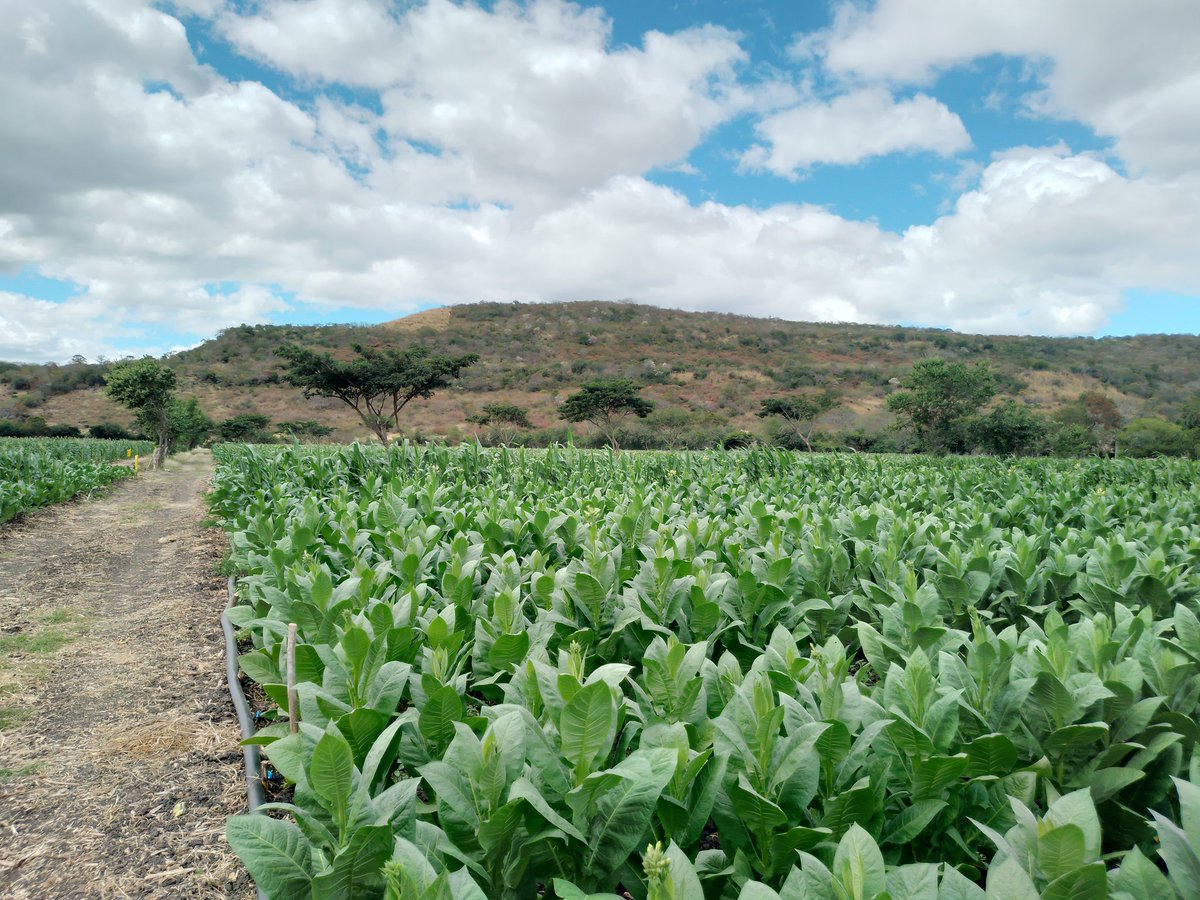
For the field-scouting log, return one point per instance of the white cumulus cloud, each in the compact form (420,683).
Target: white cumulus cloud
(504,154)
(1129,70)
(852,127)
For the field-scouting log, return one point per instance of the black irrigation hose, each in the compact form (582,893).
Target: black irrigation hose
(254,788)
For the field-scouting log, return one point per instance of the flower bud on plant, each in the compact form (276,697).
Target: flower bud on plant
(657,866)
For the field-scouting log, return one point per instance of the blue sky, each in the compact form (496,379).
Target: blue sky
(201,163)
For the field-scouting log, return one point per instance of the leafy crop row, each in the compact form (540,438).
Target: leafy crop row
(42,471)
(721,675)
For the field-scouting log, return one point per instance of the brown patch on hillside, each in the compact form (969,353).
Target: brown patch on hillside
(1052,389)
(437,319)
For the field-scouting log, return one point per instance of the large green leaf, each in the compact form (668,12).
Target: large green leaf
(442,709)
(331,772)
(1060,850)
(1181,857)
(858,865)
(758,814)
(588,726)
(1086,883)
(911,821)
(623,814)
(1008,881)
(356,869)
(276,854)
(991,754)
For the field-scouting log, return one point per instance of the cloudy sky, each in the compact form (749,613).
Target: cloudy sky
(171,168)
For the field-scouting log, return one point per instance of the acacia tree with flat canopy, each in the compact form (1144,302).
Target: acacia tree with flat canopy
(605,403)
(795,411)
(378,384)
(147,388)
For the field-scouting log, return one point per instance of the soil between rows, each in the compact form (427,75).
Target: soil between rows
(118,745)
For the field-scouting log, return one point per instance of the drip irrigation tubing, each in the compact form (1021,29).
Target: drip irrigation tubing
(254,788)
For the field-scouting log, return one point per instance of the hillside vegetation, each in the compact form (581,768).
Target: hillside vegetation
(714,367)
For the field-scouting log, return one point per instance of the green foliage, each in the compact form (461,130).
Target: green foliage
(721,674)
(604,403)
(1156,437)
(795,411)
(109,431)
(379,383)
(502,413)
(42,471)
(937,400)
(1072,440)
(148,388)
(304,430)
(1189,417)
(1009,429)
(505,421)
(190,425)
(246,428)
(1096,413)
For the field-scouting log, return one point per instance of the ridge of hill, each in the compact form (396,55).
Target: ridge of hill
(717,366)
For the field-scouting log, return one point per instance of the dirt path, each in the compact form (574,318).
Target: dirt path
(118,753)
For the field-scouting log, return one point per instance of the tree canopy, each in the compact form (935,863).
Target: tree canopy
(246,428)
(795,411)
(1098,414)
(604,403)
(1156,437)
(190,425)
(378,384)
(148,388)
(937,399)
(502,414)
(305,429)
(1009,429)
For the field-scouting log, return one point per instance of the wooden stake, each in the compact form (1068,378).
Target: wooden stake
(293,703)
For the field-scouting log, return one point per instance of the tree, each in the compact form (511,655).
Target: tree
(1098,414)
(796,412)
(504,419)
(937,399)
(109,431)
(147,388)
(305,429)
(670,426)
(378,384)
(1189,418)
(604,403)
(190,425)
(502,413)
(1156,437)
(1072,440)
(1009,429)
(246,428)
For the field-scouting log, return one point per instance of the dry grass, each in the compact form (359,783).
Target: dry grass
(126,764)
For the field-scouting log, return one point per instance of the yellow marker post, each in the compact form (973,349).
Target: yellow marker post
(129,453)
(135,465)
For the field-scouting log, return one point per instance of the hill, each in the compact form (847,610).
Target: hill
(715,366)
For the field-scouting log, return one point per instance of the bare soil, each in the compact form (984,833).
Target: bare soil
(118,745)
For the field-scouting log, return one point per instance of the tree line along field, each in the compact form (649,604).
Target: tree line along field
(706,373)
(39,472)
(720,675)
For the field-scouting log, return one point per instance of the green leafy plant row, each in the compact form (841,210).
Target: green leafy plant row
(43,471)
(695,675)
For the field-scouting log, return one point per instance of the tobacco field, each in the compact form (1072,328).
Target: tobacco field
(693,676)
(43,471)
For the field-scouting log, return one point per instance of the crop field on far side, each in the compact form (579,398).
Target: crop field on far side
(702,676)
(42,471)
